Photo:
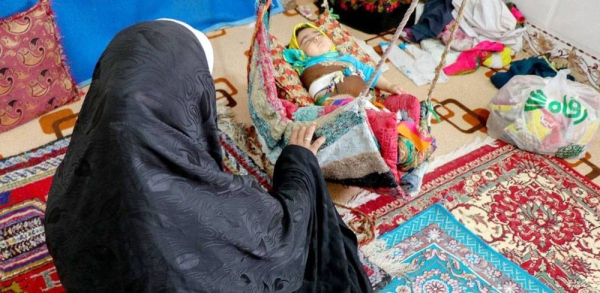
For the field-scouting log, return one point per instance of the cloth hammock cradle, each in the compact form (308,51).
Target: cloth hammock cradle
(351,155)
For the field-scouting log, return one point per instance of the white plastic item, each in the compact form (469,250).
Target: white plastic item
(417,53)
(550,116)
(416,64)
(371,52)
(435,47)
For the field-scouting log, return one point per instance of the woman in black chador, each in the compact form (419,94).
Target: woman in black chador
(141,202)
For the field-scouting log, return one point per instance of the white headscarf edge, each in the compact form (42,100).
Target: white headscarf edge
(208,50)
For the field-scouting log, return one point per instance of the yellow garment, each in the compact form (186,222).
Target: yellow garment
(498,60)
(294,42)
(589,134)
(536,126)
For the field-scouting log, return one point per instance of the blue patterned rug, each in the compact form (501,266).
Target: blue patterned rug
(434,253)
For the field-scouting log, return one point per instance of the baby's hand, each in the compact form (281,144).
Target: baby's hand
(396,89)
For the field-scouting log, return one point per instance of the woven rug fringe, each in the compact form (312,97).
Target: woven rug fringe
(227,124)
(476,144)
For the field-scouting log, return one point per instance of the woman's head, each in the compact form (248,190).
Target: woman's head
(208,51)
(311,40)
(158,73)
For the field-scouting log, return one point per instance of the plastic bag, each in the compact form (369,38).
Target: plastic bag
(550,116)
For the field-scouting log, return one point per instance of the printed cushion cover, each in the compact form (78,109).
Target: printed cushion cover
(34,78)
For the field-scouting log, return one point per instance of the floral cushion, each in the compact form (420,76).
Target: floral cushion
(33,76)
(288,82)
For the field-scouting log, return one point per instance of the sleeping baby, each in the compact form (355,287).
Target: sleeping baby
(326,73)
(334,79)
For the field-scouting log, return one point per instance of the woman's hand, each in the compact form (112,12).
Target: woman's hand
(303,137)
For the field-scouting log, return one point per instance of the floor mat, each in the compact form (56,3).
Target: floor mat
(536,210)
(433,252)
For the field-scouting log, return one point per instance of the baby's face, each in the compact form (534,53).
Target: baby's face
(313,43)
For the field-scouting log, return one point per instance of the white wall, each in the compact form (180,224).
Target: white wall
(574,21)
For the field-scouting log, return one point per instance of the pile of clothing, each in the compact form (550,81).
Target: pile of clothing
(489,34)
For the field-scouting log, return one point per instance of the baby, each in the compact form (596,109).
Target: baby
(333,79)
(329,76)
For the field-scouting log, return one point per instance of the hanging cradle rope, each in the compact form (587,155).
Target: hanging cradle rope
(396,36)
(438,69)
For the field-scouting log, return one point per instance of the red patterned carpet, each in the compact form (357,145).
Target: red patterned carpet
(25,264)
(536,210)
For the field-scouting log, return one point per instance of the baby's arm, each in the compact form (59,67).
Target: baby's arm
(382,82)
(385,85)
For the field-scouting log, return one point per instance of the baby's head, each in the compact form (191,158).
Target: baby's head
(311,40)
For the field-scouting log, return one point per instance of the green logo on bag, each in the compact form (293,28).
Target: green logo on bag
(570,108)
(570,151)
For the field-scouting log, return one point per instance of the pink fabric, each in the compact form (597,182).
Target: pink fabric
(34,79)
(461,42)
(383,125)
(469,60)
(328,109)
(267,74)
(290,109)
(407,34)
(517,14)
(406,102)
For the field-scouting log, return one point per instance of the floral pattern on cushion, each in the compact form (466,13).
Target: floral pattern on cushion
(33,76)
(289,86)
